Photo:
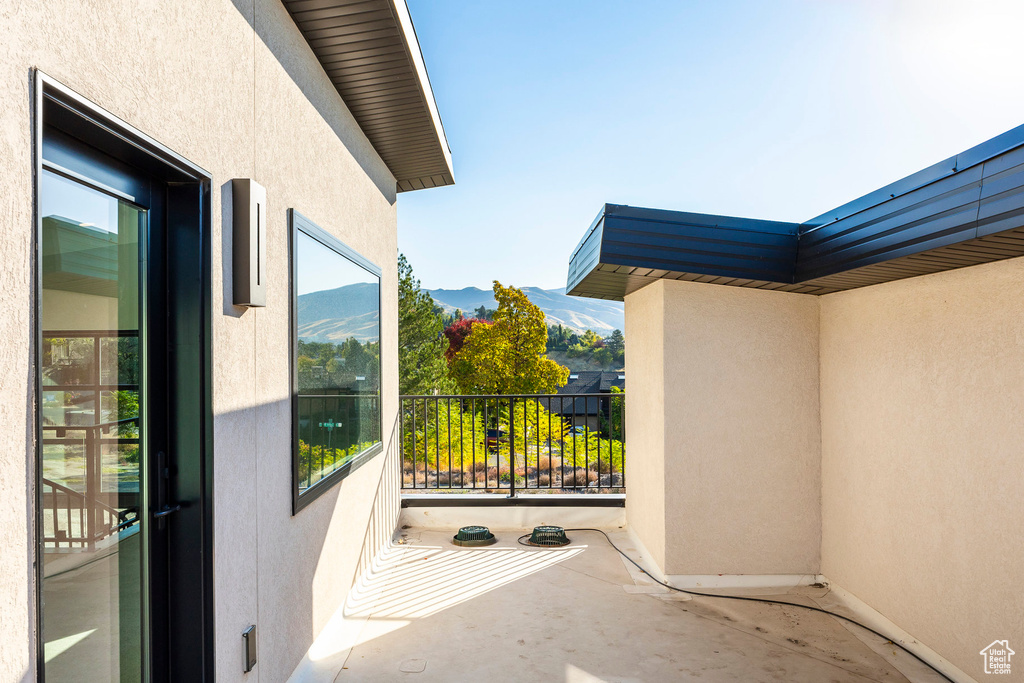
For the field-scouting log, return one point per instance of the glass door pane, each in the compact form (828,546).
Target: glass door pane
(92,434)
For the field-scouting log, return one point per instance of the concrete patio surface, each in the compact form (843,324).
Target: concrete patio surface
(431,611)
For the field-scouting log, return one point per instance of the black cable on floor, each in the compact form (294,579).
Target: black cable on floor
(752,599)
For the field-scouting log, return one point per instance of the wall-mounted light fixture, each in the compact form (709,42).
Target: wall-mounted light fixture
(249,242)
(249,649)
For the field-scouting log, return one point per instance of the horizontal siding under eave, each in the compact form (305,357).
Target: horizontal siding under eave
(334,23)
(361,47)
(425,183)
(352,36)
(965,254)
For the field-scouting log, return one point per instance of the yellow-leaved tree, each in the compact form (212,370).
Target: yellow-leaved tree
(508,357)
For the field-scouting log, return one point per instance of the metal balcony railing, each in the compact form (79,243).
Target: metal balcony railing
(512,444)
(76,518)
(90,485)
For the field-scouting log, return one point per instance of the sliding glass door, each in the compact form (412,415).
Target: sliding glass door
(92,412)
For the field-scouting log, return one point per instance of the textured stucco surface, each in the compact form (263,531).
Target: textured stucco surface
(232,87)
(738,409)
(645,417)
(907,395)
(16,601)
(922,397)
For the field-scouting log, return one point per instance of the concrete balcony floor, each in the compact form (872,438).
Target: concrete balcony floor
(435,612)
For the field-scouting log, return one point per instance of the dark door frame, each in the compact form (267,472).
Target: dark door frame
(182,617)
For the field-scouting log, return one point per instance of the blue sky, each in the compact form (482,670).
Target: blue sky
(323,269)
(777,110)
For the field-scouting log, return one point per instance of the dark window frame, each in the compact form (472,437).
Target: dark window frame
(299,223)
(183,562)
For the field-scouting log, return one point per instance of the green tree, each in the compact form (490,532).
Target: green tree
(422,368)
(615,342)
(603,356)
(589,338)
(508,356)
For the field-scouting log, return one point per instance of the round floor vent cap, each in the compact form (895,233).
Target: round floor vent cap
(548,537)
(470,536)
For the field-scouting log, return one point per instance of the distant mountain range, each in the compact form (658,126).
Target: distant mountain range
(573,312)
(334,315)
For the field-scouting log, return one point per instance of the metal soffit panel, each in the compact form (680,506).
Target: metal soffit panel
(370,52)
(966,210)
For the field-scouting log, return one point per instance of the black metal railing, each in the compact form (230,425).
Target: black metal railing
(82,511)
(512,444)
(90,485)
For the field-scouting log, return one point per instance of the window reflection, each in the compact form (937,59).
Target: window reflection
(89,420)
(337,360)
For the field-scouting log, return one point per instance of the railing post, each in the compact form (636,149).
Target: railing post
(401,442)
(92,485)
(511,447)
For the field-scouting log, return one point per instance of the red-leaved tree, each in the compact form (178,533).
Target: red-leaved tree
(457,333)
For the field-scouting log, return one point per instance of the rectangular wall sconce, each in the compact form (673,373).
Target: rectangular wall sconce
(249,649)
(249,242)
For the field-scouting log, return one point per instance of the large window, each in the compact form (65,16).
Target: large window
(336,418)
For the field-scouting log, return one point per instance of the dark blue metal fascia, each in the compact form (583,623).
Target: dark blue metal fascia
(938,214)
(1000,144)
(704,244)
(969,196)
(627,237)
(586,257)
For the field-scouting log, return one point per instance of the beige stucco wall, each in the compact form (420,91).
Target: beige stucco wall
(922,404)
(645,418)
(737,409)
(233,87)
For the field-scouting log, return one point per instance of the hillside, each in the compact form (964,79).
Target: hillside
(334,315)
(569,311)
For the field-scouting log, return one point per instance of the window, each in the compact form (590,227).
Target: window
(336,420)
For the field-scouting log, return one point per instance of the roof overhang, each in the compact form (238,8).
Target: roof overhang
(965,210)
(370,52)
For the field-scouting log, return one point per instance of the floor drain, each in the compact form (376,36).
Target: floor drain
(474,536)
(413,666)
(548,537)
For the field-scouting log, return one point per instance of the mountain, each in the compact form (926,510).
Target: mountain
(334,315)
(573,312)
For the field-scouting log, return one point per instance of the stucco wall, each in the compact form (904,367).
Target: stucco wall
(233,87)
(645,418)
(922,398)
(737,408)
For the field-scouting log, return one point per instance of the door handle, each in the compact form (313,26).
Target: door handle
(165,511)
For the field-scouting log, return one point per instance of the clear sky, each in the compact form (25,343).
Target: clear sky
(776,110)
(323,269)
